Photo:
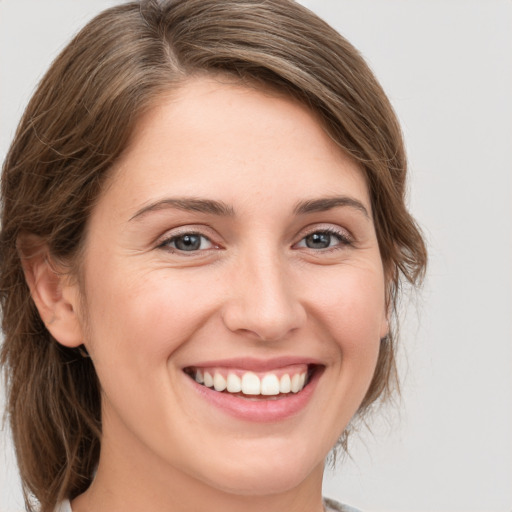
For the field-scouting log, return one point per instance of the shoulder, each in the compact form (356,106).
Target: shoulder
(334,506)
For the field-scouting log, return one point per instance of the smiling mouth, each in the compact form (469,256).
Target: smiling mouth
(270,385)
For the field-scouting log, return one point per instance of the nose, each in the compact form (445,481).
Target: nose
(263,302)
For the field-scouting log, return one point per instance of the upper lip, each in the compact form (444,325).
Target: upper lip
(255,364)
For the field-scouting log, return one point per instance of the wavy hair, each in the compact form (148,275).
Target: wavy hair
(80,120)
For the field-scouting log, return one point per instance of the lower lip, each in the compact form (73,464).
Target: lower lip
(260,410)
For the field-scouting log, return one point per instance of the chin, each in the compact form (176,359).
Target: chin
(266,474)
(263,483)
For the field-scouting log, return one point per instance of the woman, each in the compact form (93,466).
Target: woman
(203,236)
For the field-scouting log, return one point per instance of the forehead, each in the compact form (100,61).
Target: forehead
(213,134)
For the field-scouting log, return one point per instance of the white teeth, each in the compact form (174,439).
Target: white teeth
(270,385)
(251,384)
(234,384)
(296,383)
(208,380)
(219,382)
(285,384)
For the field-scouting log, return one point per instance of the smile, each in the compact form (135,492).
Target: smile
(256,390)
(278,383)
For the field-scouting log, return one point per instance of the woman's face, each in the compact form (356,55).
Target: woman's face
(235,246)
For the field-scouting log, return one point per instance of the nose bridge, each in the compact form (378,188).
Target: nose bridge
(264,301)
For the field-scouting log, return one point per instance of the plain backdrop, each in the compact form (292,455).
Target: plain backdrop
(447,67)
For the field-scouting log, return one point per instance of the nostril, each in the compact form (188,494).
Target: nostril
(264,307)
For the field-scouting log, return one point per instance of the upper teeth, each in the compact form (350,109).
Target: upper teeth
(250,383)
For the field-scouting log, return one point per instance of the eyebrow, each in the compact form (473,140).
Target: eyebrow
(220,208)
(187,204)
(327,203)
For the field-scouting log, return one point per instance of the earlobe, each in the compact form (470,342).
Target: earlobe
(55,296)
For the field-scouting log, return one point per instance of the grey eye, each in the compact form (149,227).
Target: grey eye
(188,242)
(325,239)
(319,240)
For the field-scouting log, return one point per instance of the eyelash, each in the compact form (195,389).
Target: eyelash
(343,241)
(166,244)
(343,238)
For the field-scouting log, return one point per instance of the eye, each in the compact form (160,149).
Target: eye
(324,239)
(187,242)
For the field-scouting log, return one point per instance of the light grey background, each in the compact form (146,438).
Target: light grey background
(447,67)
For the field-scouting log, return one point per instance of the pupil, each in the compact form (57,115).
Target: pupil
(188,242)
(318,240)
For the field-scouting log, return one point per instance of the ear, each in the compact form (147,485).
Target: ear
(390,275)
(55,295)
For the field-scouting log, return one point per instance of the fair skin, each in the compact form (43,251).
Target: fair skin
(280,273)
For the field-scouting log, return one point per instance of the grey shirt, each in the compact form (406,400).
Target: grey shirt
(334,506)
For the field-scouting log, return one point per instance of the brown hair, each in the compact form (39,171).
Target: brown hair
(77,124)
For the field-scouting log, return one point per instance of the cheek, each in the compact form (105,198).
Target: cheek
(353,316)
(352,303)
(142,318)
(137,322)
